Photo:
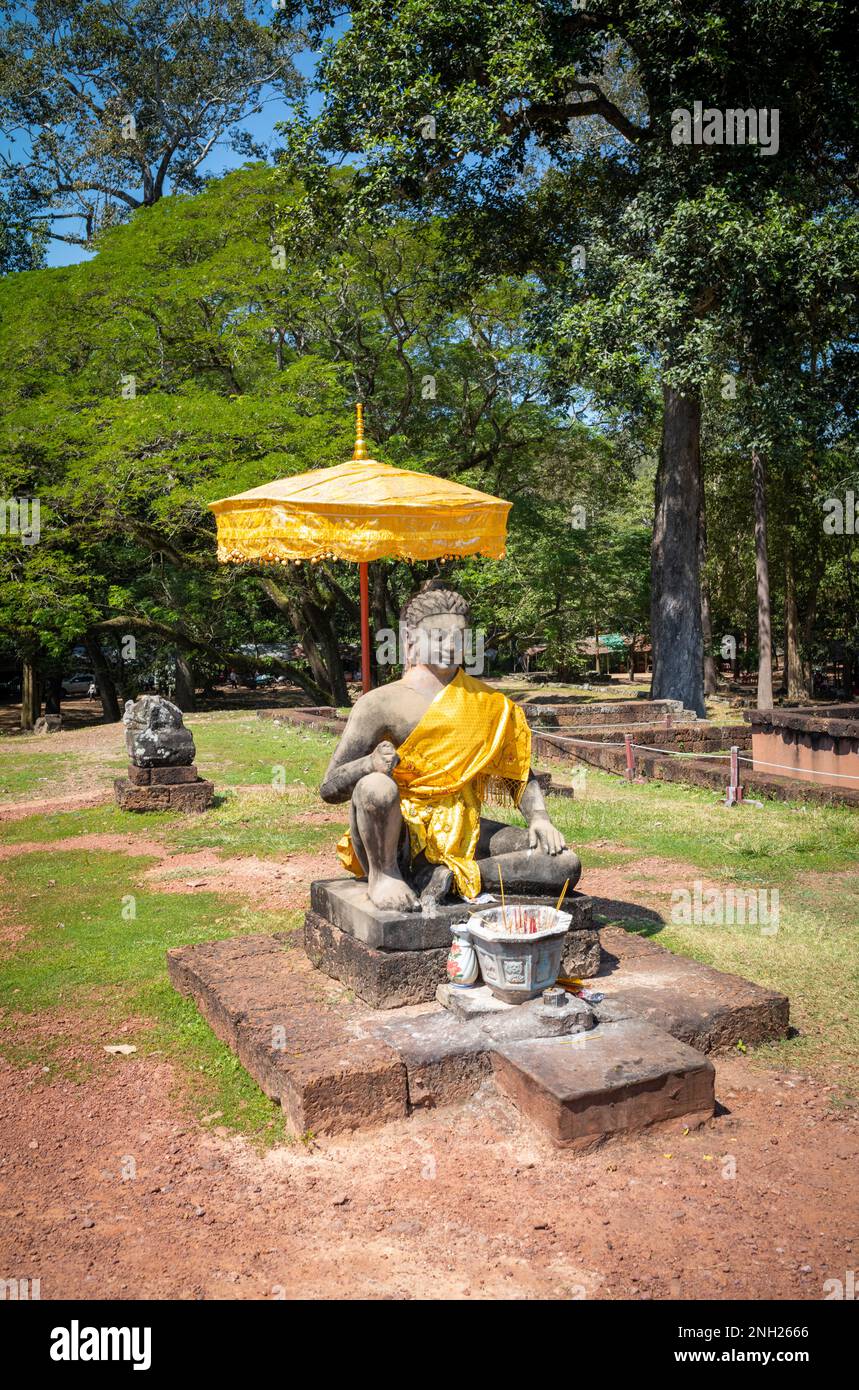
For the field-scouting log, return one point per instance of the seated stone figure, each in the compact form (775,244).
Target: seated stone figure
(417,760)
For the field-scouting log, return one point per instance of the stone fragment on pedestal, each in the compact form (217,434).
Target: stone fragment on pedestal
(162,775)
(155,733)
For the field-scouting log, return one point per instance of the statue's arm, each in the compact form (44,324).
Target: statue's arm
(353,757)
(542,833)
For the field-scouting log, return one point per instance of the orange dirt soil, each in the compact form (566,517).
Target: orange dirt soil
(464,1202)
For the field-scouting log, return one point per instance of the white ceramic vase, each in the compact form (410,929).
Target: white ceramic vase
(462,967)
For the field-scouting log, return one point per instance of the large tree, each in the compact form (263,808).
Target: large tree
(104,107)
(470,107)
(194,357)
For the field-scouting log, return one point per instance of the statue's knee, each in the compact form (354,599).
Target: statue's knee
(376,792)
(571,865)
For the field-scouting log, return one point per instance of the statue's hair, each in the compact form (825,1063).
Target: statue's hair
(431,600)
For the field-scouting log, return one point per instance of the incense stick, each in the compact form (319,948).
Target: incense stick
(503,904)
(563,895)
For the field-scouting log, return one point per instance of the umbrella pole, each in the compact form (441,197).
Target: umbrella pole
(364,575)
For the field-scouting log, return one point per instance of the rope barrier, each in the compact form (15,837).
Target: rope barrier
(675,753)
(786,767)
(645,748)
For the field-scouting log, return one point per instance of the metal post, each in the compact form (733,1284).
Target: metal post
(630,757)
(364,577)
(735,791)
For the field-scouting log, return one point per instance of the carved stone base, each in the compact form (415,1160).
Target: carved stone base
(163,789)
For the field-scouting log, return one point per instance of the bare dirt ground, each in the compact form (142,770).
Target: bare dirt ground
(110,1188)
(107,1190)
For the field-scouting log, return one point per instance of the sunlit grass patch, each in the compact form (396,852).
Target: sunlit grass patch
(97,945)
(258,751)
(246,824)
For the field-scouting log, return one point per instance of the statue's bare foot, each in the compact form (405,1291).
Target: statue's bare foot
(436,887)
(392,894)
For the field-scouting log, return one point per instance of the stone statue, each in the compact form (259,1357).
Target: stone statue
(155,734)
(417,760)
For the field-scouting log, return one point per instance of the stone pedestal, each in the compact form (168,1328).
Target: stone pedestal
(391,958)
(580,1071)
(163,789)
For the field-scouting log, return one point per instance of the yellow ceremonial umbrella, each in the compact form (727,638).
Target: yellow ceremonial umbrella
(362,510)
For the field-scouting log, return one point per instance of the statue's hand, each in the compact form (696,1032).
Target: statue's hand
(543,835)
(385,757)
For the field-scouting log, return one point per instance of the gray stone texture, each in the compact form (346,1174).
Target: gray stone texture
(620,1077)
(155,734)
(706,1008)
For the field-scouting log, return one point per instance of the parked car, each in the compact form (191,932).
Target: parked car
(78,684)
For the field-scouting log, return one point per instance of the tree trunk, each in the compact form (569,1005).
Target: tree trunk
(317,638)
(675,604)
(794,670)
(316,619)
(184,678)
(762,575)
(711,679)
(54,695)
(104,680)
(31,705)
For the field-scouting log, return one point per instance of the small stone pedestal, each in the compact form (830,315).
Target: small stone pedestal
(390,958)
(163,789)
(162,775)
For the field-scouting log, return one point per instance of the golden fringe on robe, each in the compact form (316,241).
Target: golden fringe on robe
(472,745)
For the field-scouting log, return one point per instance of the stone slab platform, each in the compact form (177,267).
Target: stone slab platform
(336,1065)
(345,903)
(706,1008)
(618,1078)
(261,1000)
(188,796)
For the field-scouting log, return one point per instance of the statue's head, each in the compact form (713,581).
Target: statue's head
(434,624)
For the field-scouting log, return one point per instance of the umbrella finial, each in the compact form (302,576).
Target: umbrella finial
(360,450)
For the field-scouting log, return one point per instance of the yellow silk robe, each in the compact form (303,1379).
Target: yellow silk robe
(471,744)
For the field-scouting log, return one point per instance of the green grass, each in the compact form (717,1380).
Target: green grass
(772,844)
(240,824)
(29,776)
(108,968)
(250,751)
(96,946)
(93,820)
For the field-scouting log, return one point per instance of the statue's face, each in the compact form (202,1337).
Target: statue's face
(437,641)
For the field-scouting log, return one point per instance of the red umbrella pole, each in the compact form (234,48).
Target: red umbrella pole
(364,573)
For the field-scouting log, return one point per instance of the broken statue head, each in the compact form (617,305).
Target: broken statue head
(155,735)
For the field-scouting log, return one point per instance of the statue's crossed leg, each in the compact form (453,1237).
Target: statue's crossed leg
(380,841)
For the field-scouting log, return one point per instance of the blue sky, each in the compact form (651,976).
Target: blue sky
(219,161)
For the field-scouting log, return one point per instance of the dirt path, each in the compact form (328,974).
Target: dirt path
(109,1188)
(463,1202)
